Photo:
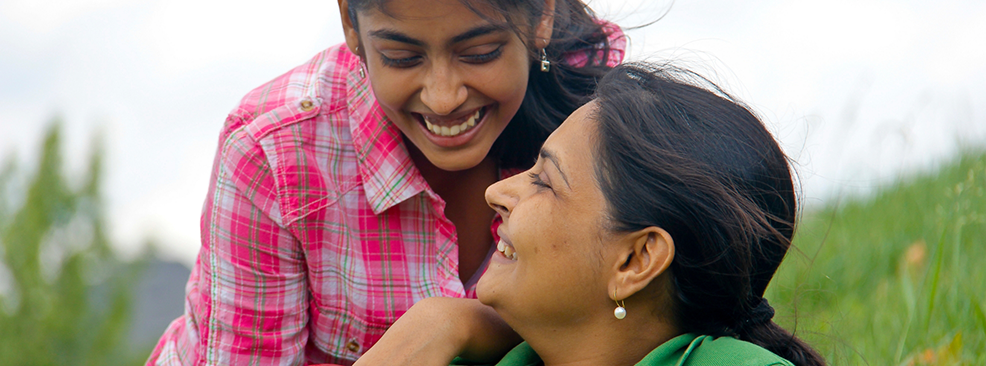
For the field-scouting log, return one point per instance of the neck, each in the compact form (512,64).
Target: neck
(604,340)
(464,193)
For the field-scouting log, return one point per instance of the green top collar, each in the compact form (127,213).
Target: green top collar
(684,350)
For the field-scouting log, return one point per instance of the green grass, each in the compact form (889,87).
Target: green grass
(894,279)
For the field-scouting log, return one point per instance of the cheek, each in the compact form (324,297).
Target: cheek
(548,239)
(507,82)
(391,89)
(564,240)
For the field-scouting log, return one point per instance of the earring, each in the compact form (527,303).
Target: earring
(621,311)
(362,65)
(545,64)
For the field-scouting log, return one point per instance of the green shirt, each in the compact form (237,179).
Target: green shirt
(684,350)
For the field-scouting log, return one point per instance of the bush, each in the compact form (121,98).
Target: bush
(66,299)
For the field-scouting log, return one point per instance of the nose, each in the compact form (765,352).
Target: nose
(443,89)
(502,196)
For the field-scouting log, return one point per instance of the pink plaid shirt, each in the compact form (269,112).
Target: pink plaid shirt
(318,232)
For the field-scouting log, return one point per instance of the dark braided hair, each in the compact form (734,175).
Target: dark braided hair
(695,162)
(551,96)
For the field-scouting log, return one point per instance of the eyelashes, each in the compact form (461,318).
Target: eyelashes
(406,62)
(484,57)
(400,62)
(537,181)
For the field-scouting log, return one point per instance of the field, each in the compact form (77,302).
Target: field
(893,279)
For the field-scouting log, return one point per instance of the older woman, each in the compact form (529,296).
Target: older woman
(646,233)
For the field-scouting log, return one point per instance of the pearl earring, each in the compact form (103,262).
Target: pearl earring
(621,311)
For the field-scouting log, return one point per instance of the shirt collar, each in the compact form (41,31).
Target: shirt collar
(675,351)
(388,173)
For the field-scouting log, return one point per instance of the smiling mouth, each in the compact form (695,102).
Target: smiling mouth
(452,128)
(507,250)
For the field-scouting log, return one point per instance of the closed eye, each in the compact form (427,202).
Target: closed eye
(402,62)
(484,57)
(537,181)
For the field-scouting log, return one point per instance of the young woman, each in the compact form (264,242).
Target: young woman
(351,187)
(646,233)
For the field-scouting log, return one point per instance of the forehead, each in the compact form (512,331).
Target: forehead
(429,11)
(580,125)
(574,142)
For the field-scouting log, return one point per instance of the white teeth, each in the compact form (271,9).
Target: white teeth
(508,251)
(453,130)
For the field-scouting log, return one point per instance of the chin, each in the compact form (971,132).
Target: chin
(455,161)
(486,294)
(482,294)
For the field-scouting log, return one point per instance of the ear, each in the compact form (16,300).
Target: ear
(545,27)
(350,30)
(645,255)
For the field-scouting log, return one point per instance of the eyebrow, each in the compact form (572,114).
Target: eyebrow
(396,36)
(476,32)
(547,154)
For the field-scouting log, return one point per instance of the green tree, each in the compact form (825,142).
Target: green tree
(68,299)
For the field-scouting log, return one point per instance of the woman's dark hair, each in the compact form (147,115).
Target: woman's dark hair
(551,96)
(677,152)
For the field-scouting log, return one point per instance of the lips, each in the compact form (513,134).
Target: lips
(503,246)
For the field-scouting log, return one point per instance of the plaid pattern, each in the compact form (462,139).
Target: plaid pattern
(317,232)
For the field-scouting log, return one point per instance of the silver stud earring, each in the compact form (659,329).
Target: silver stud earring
(545,64)
(621,311)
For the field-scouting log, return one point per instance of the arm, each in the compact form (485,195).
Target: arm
(436,330)
(252,306)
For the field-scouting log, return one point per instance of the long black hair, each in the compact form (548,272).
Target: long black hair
(677,152)
(551,96)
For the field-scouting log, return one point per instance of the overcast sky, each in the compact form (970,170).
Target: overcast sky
(859,92)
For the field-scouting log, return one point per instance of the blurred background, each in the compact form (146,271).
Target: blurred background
(110,112)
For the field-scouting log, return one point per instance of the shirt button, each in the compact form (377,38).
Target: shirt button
(352,346)
(307,105)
